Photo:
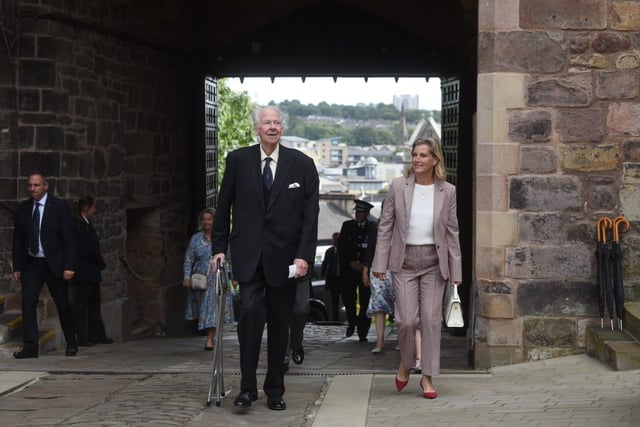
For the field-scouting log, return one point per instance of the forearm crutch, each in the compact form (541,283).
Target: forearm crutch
(221,286)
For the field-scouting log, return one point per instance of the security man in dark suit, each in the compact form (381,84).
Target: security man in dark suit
(44,250)
(272,193)
(352,246)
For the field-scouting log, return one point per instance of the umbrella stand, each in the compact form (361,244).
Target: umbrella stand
(616,257)
(602,264)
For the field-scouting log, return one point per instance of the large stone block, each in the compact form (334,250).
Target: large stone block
(609,42)
(504,332)
(496,228)
(628,61)
(617,84)
(560,332)
(582,125)
(624,119)
(631,151)
(630,201)
(55,101)
(566,262)
(46,162)
(548,193)
(542,228)
(529,51)
(490,262)
(55,48)
(8,186)
(589,60)
(494,189)
(572,91)
(50,138)
(7,98)
(487,356)
(538,160)
(517,263)
(29,99)
(557,298)
(589,158)
(530,126)
(603,194)
(625,15)
(496,299)
(565,14)
(631,173)
(36,73)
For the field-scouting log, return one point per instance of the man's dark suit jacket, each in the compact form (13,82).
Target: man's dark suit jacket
(56,234)
(284,230)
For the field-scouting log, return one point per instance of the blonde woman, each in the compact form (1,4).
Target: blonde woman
(418,242)
(201,304)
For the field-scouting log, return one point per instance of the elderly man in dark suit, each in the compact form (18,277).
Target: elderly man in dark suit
(44,250)
(272,193)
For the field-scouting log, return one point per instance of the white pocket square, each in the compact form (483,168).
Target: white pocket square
(294,185)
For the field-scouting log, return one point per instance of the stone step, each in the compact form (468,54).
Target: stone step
(618,349)
(10,325)
(631,322)
(46,343)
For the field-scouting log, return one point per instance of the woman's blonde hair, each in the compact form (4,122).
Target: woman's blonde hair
(202,214)
(439,171)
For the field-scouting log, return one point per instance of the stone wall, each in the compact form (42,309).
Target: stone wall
(557,147)
(102,111)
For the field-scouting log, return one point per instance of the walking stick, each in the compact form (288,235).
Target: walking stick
(217,375)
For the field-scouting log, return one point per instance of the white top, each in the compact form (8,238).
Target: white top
(421,220)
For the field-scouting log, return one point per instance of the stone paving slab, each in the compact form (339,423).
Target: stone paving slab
(165,382)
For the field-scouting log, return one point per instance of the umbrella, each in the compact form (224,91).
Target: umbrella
(602,224)
(608,286)
(616,257)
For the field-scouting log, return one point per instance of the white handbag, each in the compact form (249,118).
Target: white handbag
(198,281)
(453,308)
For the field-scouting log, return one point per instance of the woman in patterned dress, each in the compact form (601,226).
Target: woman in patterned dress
(201,304)
(382,296)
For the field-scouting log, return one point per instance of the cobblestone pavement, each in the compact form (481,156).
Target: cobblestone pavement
(165,382)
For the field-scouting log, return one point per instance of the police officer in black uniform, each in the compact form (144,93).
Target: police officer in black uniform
(351,250)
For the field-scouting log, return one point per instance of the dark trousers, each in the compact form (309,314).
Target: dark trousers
(259,303)
(86,312)
(351,284)
(299,313)
(36,273)
(332,285)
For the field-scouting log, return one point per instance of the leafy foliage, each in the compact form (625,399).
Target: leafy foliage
(234,123)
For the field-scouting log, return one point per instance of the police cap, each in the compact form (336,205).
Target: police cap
(362,206)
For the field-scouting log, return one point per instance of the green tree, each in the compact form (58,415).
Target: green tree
(234,123)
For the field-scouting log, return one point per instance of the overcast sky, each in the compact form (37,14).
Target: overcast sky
(345,91)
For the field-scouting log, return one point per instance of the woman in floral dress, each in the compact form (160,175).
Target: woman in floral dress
(201,304)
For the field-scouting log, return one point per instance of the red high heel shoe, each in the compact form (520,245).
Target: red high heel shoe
(401,384)
(426,394)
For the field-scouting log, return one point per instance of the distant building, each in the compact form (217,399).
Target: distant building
(409,102)
(331,152)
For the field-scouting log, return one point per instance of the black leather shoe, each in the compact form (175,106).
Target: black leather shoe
(350,330)
(297,355)
(72,350)
(276,404)
(245,398)
(364,339)
(25,354)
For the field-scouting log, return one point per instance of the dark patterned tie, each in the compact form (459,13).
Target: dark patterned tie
(267,175)
(34,245)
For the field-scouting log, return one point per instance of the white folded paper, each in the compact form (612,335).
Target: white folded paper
(292,271)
